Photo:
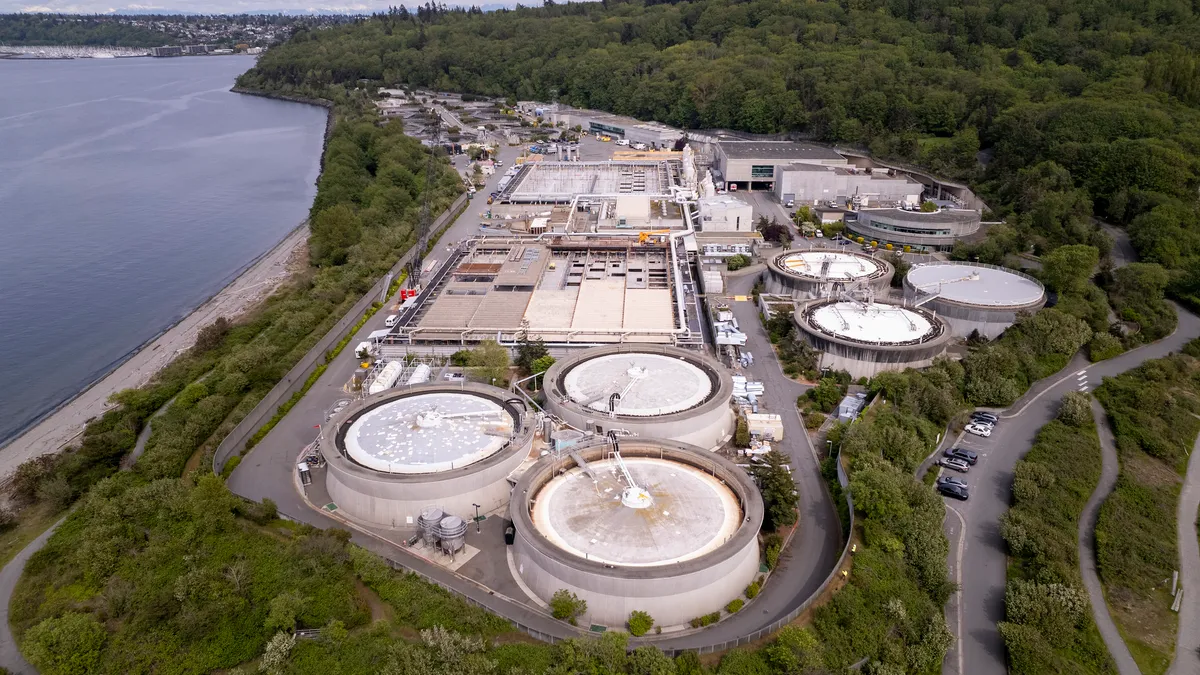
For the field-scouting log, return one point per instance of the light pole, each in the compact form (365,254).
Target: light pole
(477,530)
(829,445)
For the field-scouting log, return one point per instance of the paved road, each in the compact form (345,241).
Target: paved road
(1187,643)
(1087,546)
(983,570)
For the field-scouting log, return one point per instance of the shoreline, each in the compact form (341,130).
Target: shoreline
(63,424)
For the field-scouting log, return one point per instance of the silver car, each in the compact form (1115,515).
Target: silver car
(955,464)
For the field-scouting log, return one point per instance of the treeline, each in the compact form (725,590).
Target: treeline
(1076,108)
(51,29)
(1152,410)
(1049,627)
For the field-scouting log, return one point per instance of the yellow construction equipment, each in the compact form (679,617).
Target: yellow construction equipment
(644,237)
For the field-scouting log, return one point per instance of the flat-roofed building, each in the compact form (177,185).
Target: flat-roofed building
(751,164)
(934,231)
(816,183)
(725,213)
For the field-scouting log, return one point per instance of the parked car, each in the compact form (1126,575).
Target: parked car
(952,490)
(967,456)
(986,416)
(979,430)
(955,480)
(955,464)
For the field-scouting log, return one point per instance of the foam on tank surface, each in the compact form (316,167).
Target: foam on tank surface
(829,265)
(875,323)
(691,513)
(428,433)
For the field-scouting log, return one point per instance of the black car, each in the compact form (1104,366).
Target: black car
(968,456)
(951,480)
(952,490)
(985,417)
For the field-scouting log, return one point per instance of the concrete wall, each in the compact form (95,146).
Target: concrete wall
(671,601)
(707,425)
(395,500)
(865,359)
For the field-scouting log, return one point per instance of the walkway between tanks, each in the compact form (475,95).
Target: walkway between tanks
(1086,543)
(1187,642)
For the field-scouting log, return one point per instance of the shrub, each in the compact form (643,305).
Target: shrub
(8,519)
(741,436)
(566,606)
(773,546)
(737,262)
(1076,410)
(640,623)
(813,421)
(706,620)
(70,643)
(752,590)
(56,491)
(735,605)
(1104,346)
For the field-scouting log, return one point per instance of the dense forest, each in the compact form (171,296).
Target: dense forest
(1054,112)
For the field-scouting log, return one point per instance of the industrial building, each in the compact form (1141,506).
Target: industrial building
(163,52)
(751,164)
(725,213)
(392,454)
(814,184)
(652,525)
(562,182)
(646,390)
(805,274)
(566,291)
(921,231)
(653,134)
(865,337)
(973,296)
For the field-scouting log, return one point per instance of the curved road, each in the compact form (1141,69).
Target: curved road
(1086,543)
(982,571)
(1187,642)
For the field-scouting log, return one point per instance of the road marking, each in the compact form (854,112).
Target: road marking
(1082,377)
(1082,372)
(962,538)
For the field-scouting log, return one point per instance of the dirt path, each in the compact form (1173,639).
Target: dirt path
(1087,547)
(64,425)
(1187,643)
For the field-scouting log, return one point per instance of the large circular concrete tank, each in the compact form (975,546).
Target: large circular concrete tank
(647,390)
(806,274)
(973,296)
(393,455)
(866,338)
(685,550)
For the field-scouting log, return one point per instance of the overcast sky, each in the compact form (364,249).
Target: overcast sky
(218,6)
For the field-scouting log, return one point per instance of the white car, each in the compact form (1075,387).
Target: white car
(979,430)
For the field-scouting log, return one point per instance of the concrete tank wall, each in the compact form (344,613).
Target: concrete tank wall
(707,425)
(780,281)
(672,601)
(865,359)
(672,594)
(395,500)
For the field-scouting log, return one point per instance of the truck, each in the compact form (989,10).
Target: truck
(363,350)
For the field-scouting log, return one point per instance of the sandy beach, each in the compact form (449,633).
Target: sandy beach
(65,424)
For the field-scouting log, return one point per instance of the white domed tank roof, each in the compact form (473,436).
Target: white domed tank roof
(981,285)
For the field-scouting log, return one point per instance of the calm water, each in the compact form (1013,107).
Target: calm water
(131,190)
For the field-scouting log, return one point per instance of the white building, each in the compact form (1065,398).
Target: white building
(746,164)
(815,183)
(725,213)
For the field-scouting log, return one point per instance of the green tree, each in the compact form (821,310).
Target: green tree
(69,644)
(488,363)
(1068,268)
(640,623)
(1076,409)
(284,610)
(566,606)
(529,351)
(648,660)
(778,490)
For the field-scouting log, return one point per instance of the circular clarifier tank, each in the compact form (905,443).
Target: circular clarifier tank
(981,285)
(689,513)
(831,265)
(645,390)
(428,433)
(647,384)
(871,323)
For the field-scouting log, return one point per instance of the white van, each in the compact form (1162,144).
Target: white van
(391,320)
(622,141)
